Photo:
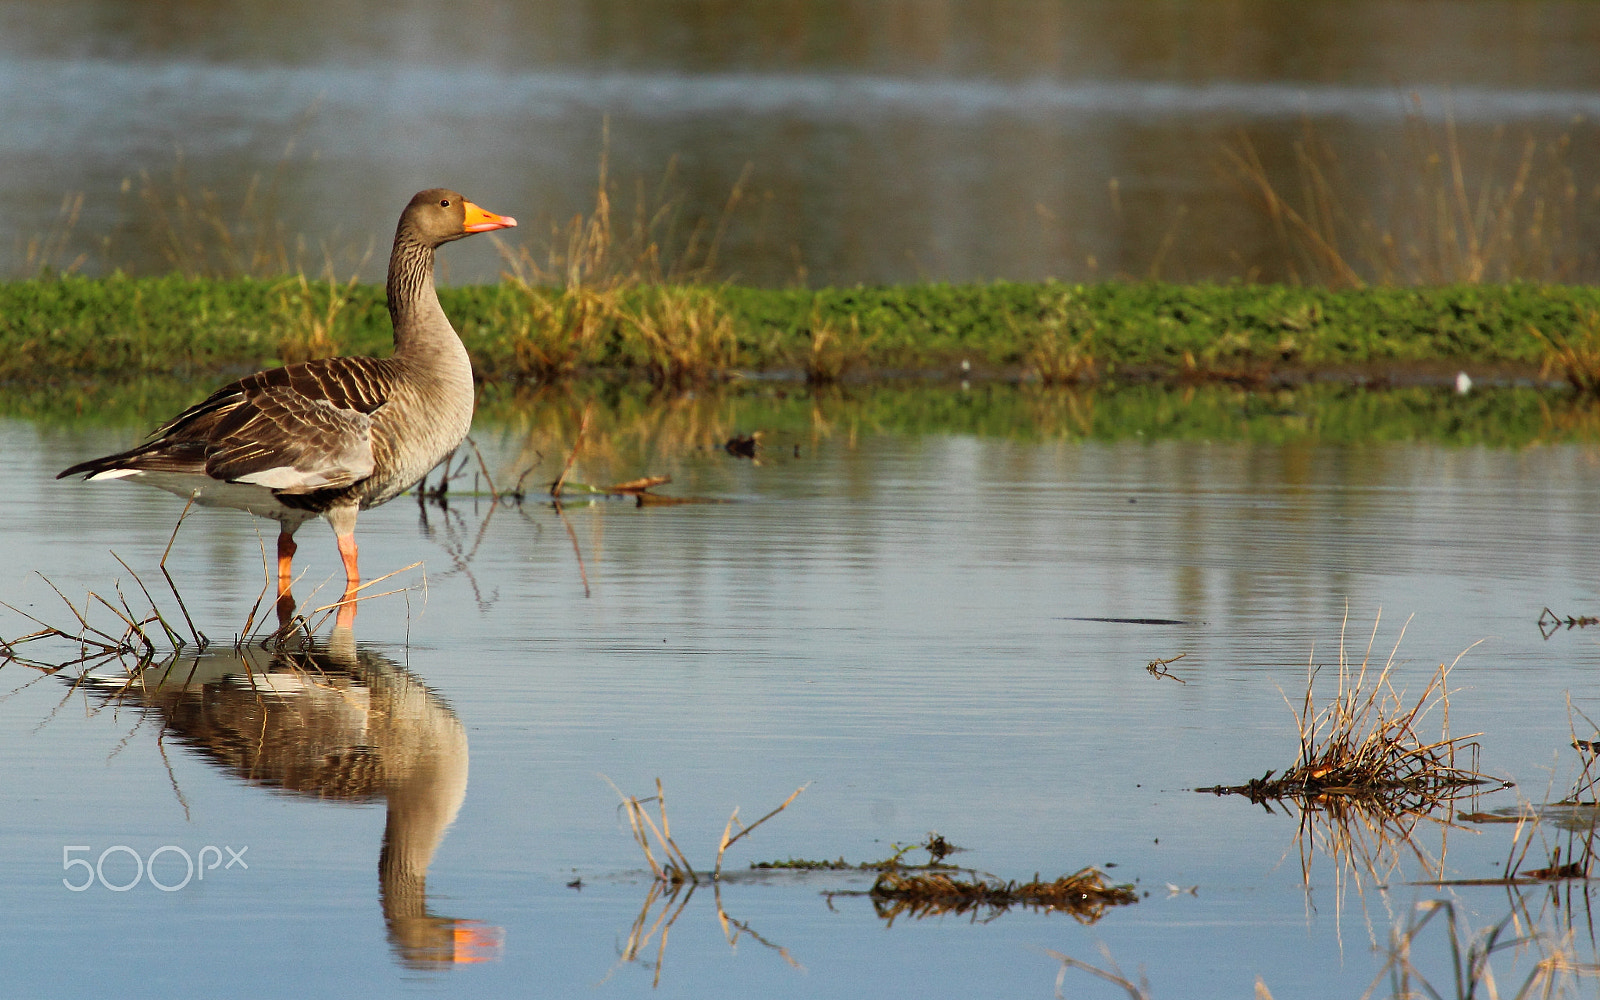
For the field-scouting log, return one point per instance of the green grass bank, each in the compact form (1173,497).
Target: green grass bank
(72,327)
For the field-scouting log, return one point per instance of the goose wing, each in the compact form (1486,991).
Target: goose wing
(294,429)
(291,443)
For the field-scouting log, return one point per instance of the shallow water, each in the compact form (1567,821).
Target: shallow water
(915,141)
(905,621)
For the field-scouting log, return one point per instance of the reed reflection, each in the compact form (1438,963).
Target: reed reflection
(332,720)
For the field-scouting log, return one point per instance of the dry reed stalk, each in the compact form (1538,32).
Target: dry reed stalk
(572,455)
(1060,340)
(835,349)
(1575,356)
(328,610)
(1113,975)
(676,870)
(1555,973)
(1453,212)
(727,841)
(43,254)
(306,318)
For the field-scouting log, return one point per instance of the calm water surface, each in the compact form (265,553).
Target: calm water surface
(897,619)
(972,140)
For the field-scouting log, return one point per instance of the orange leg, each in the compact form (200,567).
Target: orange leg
(286,550)
(352,580)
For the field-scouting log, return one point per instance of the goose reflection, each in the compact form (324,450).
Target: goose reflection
(330,720)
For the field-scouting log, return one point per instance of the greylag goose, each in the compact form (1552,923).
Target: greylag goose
(337,435)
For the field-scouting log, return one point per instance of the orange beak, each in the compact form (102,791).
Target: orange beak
(482,221)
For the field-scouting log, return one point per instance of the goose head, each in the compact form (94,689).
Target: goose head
(439,215)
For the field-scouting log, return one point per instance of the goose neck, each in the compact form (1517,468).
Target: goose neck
(414,307)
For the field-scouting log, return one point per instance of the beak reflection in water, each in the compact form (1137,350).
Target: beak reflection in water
(332,721)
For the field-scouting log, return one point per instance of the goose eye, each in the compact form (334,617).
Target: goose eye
(444,203)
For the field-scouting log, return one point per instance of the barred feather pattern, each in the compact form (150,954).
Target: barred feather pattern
(338,433)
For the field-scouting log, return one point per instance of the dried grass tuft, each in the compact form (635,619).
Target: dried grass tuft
(638,281)
(1574,356)
(305,316)
(1365,743)
(1060,340)
(835,349)
(674,869)
(1085,894)
(1366,779)
(685,332)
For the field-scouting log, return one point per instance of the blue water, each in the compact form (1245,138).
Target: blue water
(895,622)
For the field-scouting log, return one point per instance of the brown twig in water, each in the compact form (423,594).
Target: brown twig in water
(494,495)
(199,638)
(727,842)
(1158,668)
(1140,992)
(328,609)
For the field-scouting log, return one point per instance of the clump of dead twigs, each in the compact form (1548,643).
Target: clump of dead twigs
(1367,780)
(140,626)
(1366,742)
(1085,894)
(936,889)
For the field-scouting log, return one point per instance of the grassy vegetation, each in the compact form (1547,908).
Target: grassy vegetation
(666,333)
(1461,261)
